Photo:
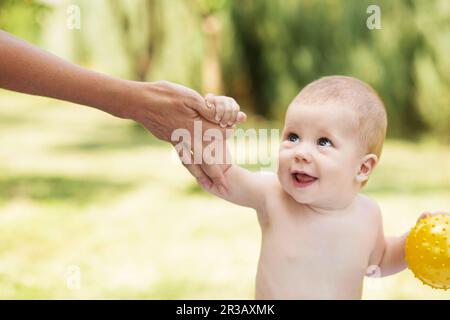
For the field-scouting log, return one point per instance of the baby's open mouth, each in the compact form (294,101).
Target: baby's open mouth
(302,179)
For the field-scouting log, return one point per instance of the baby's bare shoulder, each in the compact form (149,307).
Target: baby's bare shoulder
(273,195)
(267,180)
(369,207)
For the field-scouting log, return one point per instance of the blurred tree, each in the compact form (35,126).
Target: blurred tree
(141,32)
(23,18)
(432,66)
(254,23)
(396,46)
(287,45)
(212,27)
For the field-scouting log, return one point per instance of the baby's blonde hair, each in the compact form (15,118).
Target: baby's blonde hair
(369,108)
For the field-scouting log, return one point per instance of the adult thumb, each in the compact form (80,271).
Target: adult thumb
(206,110)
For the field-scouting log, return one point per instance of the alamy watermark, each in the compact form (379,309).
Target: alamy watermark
(374,20)
(73,277)
(214,146)
(73,21)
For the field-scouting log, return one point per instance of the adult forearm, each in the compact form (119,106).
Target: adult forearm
(28,69)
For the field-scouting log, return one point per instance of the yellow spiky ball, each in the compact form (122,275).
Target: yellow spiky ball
(427,251)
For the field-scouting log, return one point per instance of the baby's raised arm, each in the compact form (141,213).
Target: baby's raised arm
(245,188)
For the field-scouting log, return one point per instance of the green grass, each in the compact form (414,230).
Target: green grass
(80,188)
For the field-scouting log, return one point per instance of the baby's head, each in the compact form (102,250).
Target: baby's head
(332,140)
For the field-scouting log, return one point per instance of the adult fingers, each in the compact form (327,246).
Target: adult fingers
(208,172)
(187,159)
(206,107)
(216,175)
(200,175)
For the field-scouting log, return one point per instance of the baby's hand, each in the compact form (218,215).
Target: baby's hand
(429,214)
(227,111)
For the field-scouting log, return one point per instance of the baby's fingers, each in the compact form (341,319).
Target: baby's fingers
(423,216)
(237,116)
(241,117)
(234,112)
(220,110)
(230,107)
(429,214)
(217,105)
(226,110)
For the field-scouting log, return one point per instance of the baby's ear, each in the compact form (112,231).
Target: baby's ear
(367,164)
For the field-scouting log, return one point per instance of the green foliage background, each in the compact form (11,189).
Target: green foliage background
(268,49)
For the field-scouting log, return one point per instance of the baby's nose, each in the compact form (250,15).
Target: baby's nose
(302,155)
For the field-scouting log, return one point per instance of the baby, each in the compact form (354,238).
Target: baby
(320,236)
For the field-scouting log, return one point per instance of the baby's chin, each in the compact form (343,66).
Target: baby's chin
(316,198)
(310,199)
(301,197)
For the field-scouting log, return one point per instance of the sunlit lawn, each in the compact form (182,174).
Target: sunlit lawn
(80,190)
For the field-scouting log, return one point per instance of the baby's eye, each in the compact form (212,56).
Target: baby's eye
(292,137)
(324,142)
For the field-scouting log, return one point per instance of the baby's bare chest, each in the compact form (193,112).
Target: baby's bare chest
(305,255)
(344,242)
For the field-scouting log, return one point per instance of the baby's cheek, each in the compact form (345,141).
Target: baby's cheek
(281,169)
(330,167)
(285,154)
(337,175)
(282,159)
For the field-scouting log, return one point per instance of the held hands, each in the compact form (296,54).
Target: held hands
(226,112)
(163,107)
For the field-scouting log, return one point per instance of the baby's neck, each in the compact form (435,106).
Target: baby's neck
(330,210)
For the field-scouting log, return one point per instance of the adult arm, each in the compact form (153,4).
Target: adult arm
(161,107)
